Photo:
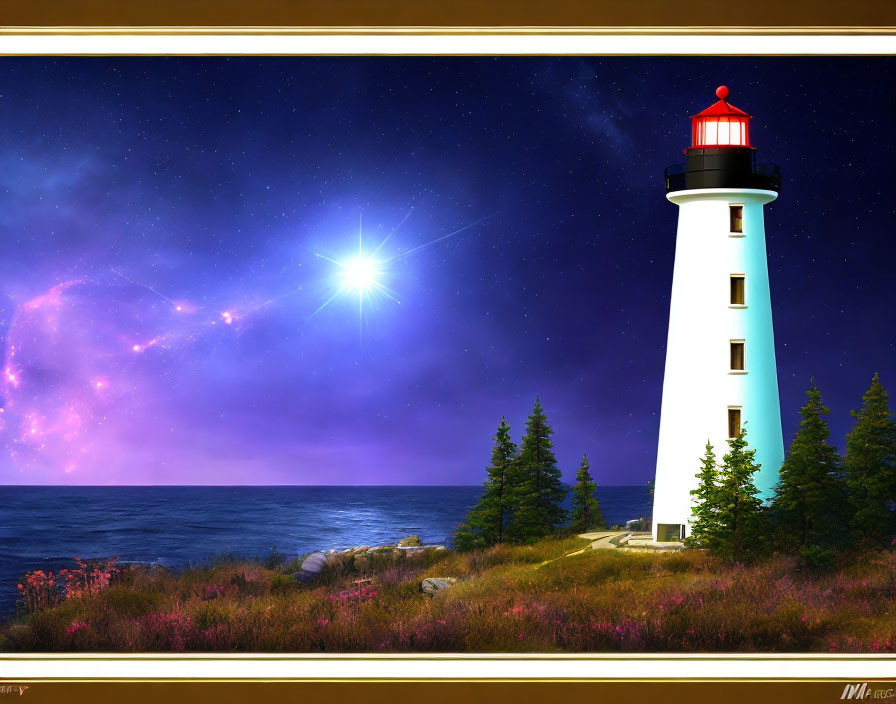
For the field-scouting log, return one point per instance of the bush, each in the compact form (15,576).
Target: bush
(274,560)
(39,590)
(211,614)
(284,584)
(130,603)
(465,539)
(817,558)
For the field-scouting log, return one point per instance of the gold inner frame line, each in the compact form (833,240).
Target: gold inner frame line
(819,30)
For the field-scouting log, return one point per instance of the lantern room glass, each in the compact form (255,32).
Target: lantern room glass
(720,131)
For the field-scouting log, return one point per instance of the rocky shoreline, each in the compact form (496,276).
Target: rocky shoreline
(410,546)
(315,562)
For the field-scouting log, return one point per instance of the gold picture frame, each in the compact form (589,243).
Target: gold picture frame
(165,27)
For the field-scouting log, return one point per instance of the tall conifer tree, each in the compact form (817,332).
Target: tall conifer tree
(487,520)
(586,513)
(537,489)
(705,524)
(739,510)
(810,497)
(871,467)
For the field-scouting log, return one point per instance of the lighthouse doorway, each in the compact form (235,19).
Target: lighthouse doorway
(670,532)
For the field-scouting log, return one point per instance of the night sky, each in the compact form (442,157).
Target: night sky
(174,233)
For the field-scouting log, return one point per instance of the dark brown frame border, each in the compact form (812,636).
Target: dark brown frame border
(442,14)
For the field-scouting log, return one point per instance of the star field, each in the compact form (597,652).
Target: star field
(174,307)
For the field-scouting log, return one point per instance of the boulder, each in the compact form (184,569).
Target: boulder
(433,585)
(311,567)
(411,541)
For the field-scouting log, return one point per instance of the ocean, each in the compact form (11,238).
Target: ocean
(45,527)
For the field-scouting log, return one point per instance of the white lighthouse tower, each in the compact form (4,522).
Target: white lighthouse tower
(720,357)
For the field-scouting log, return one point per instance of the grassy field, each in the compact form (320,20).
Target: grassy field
(507,599)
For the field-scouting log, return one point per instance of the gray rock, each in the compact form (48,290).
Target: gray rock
(311,567)
(433,585)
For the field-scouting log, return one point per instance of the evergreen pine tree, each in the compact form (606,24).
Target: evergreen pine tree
(586,514)
(809,501)
(704,526)
(465,539)
(871,467)
(739,510)
(487,520)
(537,489)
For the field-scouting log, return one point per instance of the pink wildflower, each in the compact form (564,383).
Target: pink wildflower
(76,626)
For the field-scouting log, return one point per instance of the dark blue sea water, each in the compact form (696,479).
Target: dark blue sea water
(44,527)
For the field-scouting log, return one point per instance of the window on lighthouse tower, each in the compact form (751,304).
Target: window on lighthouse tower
(733,422)
(737,355)
(736,215)
(737,290)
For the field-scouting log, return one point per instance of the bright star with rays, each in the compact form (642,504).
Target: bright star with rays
(360,274)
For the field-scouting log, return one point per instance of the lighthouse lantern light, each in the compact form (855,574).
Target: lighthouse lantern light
(720,125)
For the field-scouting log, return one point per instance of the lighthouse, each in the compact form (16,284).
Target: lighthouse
(720,356)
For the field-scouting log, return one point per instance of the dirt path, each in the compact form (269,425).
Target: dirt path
(600,540)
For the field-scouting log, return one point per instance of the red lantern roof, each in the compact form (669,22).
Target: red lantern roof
(720,125)
(722,107)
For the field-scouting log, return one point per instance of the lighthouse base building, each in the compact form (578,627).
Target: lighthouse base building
(720,373)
